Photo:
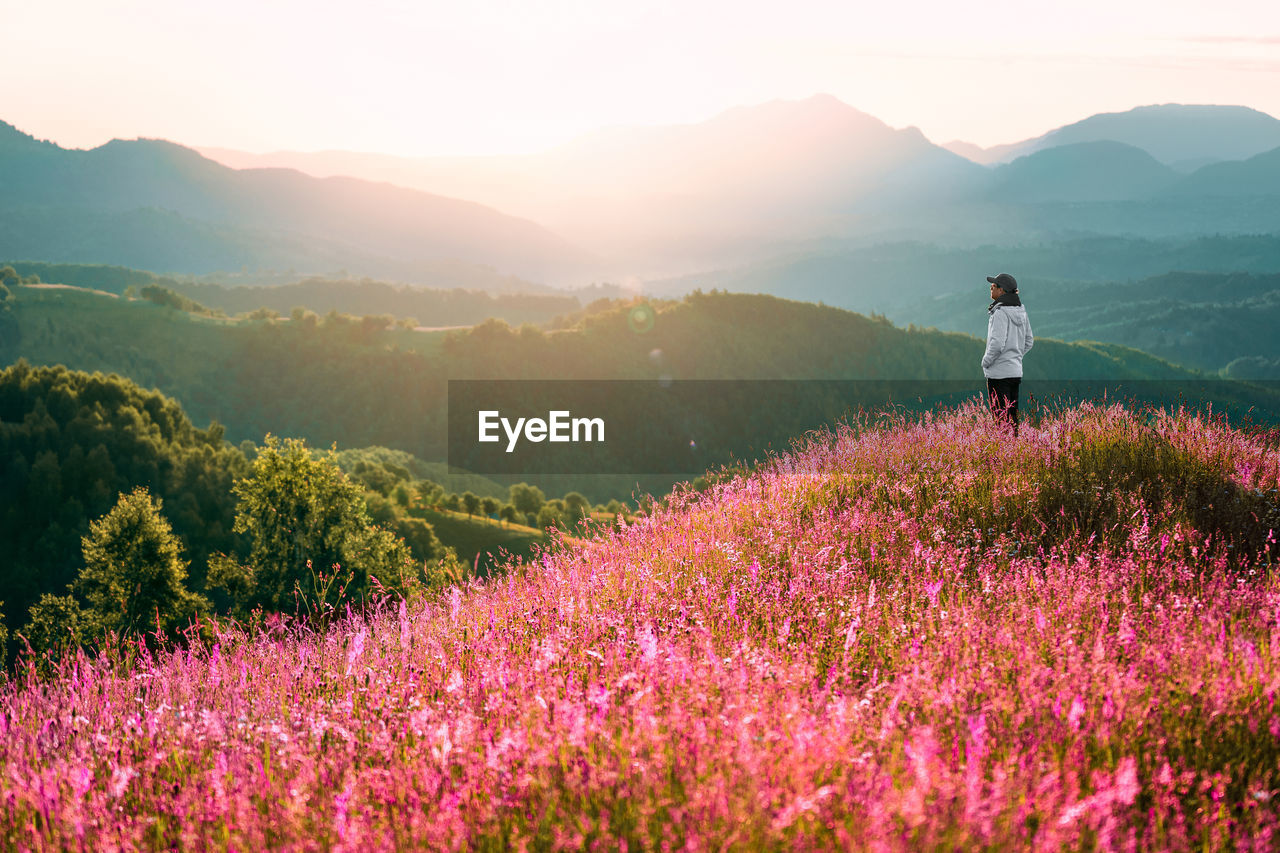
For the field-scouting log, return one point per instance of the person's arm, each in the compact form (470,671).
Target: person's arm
(1030,339)
(996,338)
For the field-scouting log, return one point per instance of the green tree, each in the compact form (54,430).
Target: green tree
(576,507)
(421,538)
(54,624)
(302,318)
(429,493)
(489,505)
(134,575)
(168,298)
(528,499)
(508,512)
(374,477)
(548,517)
(470,502)
(70,442)
(310,533)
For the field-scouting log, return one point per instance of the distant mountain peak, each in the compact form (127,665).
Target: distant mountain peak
(967,150)
(814,108)
(12,138)
(149,154)
(1220,109)
(216,215)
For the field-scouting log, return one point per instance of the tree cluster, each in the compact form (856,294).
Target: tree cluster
(123,518)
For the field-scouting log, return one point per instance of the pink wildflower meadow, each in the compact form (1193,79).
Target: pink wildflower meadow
(842,650)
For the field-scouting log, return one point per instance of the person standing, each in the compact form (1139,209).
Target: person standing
(1008,340)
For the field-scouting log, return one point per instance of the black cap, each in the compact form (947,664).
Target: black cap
(1005,282)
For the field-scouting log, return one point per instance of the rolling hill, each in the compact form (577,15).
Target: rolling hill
(1081,172)
(1257,176)
(512,300)
(1202,320)
(356,383)
(907,280)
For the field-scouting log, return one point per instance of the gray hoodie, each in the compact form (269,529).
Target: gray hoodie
(1008,340)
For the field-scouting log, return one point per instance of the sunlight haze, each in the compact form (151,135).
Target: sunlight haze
(505,77)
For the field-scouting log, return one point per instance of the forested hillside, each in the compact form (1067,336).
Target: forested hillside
(901,279)
(1217,322)
(69,443)
(363,381)
(425,306)
(465,295)
(366,382)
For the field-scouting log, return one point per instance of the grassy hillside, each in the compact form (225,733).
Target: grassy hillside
(921,636)
(484,544)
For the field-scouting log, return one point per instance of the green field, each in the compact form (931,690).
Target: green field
(491,541)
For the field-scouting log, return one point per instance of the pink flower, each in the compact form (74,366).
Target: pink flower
(1126,781)
(1076,713)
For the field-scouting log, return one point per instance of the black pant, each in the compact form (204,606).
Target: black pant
(1002,395)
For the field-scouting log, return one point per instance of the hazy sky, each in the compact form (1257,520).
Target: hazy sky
(487,76)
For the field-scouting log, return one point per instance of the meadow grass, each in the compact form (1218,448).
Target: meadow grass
(905,635)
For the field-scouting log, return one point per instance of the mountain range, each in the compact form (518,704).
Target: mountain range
(157,205)
(782,179)
(1183,136)
(790,177)
(736,186)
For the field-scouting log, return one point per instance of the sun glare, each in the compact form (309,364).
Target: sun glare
(505,77)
